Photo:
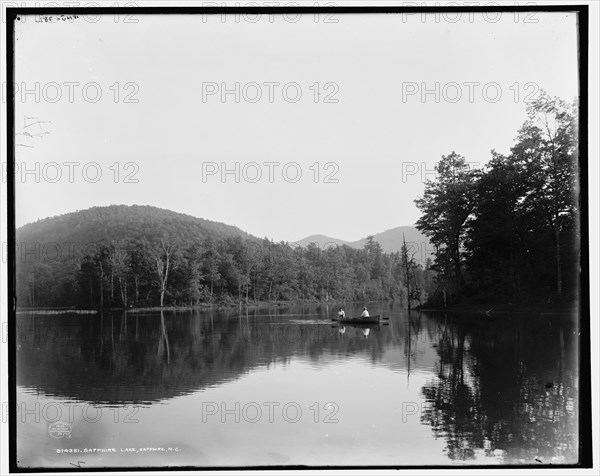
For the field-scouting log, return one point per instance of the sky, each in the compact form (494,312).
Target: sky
(329,132)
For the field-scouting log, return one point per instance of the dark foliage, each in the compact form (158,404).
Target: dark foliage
(510,231)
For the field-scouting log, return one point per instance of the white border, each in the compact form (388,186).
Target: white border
(593,187)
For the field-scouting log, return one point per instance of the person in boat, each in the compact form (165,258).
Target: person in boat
(365,313)
(341,314)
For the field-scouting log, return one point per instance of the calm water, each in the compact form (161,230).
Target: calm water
(285,387)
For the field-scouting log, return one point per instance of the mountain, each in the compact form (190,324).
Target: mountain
(322,241)
(136,222)
(390,241)
(123,222)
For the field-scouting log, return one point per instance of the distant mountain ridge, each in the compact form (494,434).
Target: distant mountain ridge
(390,240)
(321,240)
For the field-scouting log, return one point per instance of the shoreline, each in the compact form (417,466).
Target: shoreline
(489,309)
(198,307)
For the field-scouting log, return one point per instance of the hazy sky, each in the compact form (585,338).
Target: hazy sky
(367,124)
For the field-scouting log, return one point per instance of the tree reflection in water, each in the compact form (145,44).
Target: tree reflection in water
(163,341)
(507,387)
(105,359)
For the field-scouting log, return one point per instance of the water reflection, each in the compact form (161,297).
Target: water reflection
(163,341)
(132,357)
(507,388)
(488,389)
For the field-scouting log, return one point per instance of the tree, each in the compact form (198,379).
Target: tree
(192,274)
(525,222)
(100,260)
(140,266)
(409,266)
(498,231)
(120,266)
(547,143)
(162,254)
(210,260)
(446,205)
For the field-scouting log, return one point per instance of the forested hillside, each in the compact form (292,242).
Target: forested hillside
(124,222)
(131,256)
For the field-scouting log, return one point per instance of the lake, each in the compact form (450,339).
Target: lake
(285,386)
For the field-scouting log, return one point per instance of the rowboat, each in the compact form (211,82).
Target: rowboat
(359,320)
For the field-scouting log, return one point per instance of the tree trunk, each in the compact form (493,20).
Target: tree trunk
(162,269)
(33,289)
(123,289)
(270,288)
(456,258)
(558,268)
(407,284)
(407,269)
(101,286)
(513,280)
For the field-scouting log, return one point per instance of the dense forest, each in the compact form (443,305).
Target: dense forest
(510,231)
(123,257)
(507,232)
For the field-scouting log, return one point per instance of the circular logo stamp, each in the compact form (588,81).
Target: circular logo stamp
(59,429)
